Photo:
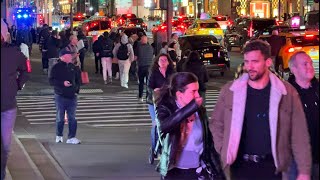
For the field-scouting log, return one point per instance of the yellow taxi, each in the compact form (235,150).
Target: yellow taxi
(206,27)
(307,41)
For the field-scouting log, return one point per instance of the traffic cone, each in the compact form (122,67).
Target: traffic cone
(65,118)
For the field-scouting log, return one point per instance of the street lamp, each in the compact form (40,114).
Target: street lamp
(91,9)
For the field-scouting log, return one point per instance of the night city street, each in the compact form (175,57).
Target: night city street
(230,89)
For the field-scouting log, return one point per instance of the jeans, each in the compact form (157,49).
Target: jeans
(68,105)
(106,68)
(154,132)
(8,119)
(143,72)
(45,61)
(124,66)
(293,171)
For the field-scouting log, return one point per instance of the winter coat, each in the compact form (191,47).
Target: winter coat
(168,119)
(156,80)
(105,44)
(124,40)
(12,62)
(173,55)
(288,127)
(43,38)
(61,72)
(199,69)
(310,101)
(53,46)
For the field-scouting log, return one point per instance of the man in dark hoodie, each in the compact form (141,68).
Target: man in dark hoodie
(65,79)
(303,79)
(144,55)
(96,48)
(13,77)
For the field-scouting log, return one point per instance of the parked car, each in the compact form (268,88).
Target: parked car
(246,28)
(213,55)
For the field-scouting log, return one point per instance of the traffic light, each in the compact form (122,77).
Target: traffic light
(163,4)
(40,19)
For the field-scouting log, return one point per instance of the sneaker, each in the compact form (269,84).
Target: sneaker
(73,141)
(125,86)
(141,99)
(45,71)
(59,139)
(105,82)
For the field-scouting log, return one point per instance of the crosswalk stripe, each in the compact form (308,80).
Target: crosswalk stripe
(118,110)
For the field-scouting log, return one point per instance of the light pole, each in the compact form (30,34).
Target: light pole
(71,15)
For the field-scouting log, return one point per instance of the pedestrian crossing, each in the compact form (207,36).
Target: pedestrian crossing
(118,110)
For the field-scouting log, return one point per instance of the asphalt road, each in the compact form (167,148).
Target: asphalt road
(113,126)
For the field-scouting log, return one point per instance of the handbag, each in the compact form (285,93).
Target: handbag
(29,69)
(84,77)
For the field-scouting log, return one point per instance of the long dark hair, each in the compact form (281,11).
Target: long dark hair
(192,61)
(155,65)
(177,82)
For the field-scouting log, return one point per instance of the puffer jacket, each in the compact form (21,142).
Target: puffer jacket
(168,120)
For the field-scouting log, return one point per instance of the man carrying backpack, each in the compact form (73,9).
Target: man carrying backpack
(106,58)
(123,51)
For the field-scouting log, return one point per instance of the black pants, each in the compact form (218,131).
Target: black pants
(97,62)
(81,57)
(45,60)
(133,71)
(143,72)
(249,170)
(181,174)
(115,69)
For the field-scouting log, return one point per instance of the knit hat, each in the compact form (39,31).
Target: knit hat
(4,30)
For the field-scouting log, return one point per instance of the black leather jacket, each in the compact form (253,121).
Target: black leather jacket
(168,121)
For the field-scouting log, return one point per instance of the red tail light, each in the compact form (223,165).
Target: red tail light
(309,36)
(29,69)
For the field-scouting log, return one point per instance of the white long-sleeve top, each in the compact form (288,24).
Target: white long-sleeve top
(25,50)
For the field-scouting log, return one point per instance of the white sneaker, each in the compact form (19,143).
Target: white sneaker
(59,139)
(73,141)
(141,99)
(125,86)
(105,82)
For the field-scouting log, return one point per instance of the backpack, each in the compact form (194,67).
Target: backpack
(123,53)
(107,46)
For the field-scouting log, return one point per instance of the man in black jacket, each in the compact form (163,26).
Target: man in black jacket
(307,85)
(144,55)
(65,77)
(43,38)
(13,62)
(53,45)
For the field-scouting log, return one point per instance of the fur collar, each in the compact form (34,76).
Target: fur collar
(239,88)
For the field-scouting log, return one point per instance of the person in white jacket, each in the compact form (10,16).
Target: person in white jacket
(24,49)
(124,65)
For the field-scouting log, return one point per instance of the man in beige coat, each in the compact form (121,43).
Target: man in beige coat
(258,124)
